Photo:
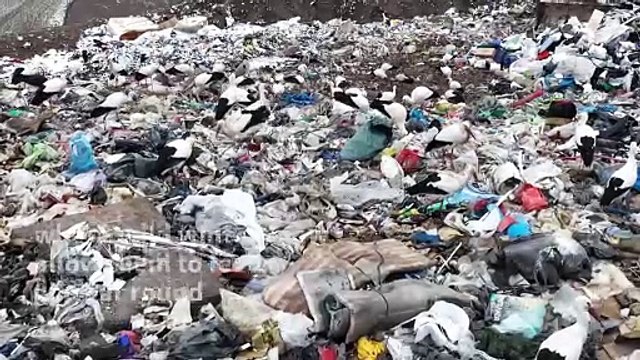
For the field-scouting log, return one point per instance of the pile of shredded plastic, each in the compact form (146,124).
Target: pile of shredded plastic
(182,191)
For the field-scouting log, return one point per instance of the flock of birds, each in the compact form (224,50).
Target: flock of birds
(244,105)
(584,140)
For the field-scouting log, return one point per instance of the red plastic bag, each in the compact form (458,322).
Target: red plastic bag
(328,352)
(505,223)
(409,160)
(532,198)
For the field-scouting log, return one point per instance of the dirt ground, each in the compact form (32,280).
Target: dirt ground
(85,13)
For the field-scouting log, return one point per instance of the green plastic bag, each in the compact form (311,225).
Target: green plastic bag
(37,152)
(371,138)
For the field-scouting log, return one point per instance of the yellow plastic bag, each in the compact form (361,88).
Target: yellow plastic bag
(369,349)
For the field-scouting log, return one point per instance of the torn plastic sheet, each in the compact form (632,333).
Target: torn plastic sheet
(233,207)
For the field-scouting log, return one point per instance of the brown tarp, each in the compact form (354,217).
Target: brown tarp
(364,262)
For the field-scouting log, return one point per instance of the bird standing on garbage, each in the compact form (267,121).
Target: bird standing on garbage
(341,82)
(419,95)
(404,79)
(111,103)
(229,97)
(19,76)
(241,120)
(283,83)
(387,95)
(585,139)
(180,70)
(452,135)
(146,72)
(290,79)
(381,72)
(442,182)
(566,344)
(48,89)
(205,80)
(347,100)
(454,96)
(174,153)
(394,111)
(623,179)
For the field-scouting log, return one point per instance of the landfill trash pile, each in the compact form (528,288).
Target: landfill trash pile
(178,190)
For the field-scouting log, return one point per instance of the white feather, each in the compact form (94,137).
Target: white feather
(418,95)
(380,73)
(455,134)
(569,341)
(450,181)
(277,88)
(449,94)
(629,171)
(584,130)
(149,70)
(218,67)
(339,108)
(402,77)
(54,85)
(184,68)
(202,79)
(454,85)
(563,131)
(390,168)
(568,145)
(235,94)
(386,66)
(358,98)
(115,100)
(398,114)
(184,148)
(340,80)
(388,95)
(235,122)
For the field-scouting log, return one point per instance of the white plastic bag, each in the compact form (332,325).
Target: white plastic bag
(233,207)
(294,329)
(447,325)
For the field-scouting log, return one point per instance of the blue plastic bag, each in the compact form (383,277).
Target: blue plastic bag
(299,99)
(418,121)
(426,239)
(81,158)
(519,229)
